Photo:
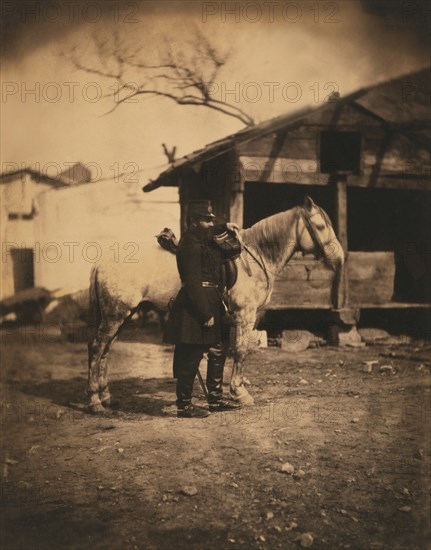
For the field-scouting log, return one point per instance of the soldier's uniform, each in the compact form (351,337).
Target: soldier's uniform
(199,263)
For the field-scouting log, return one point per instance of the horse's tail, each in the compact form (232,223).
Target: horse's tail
(94,304)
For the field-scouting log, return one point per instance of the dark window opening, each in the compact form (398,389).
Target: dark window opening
(15,216)
(264,199)
(394,220)
(340,152)
(23,268)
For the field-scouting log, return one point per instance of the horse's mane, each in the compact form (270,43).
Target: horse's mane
(270,235)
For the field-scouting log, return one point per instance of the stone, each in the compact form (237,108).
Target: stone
(371,335)
(287,468)
(189,490)
(387,368)
(419,454)
(405,509)
(296,340)
(349,337)
(306,540)
(356,344)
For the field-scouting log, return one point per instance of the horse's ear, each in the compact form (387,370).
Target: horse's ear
(308,203)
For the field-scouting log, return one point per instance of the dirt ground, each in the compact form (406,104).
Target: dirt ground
(359,443)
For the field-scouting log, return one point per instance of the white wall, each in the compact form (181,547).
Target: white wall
(99,219)
(17,196)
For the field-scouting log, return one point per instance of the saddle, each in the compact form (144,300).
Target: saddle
(227,242)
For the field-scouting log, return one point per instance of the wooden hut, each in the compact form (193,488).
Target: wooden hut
(365,159)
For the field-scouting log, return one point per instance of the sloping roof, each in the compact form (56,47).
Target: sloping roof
(7,177)
(75,175)
(381,101)
(78,173)
(225,144)
(403,102)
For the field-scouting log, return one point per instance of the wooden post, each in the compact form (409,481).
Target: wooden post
(341,296)
(341,315)
(341,210)
(183,192)
(235,190)
(236,213)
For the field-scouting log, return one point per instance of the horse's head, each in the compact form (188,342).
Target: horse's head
(316,235)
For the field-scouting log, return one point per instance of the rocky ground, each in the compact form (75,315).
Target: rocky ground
(335,453)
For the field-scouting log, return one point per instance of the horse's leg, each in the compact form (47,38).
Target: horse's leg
(104,393)
(98,349)
(244,324)
(95,350)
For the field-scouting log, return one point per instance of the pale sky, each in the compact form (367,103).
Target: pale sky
(338,44)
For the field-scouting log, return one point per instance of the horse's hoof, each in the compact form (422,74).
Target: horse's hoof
(96,409)
(246,400)
(242,396)
(111,404)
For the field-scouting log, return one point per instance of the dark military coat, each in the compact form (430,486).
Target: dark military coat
(198,260)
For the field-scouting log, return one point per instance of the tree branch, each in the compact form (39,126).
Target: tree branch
(181,76)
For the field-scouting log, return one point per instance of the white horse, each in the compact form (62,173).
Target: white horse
(117,289)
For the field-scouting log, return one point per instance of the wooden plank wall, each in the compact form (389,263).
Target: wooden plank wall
(388,160)
(302,283)
(307,283)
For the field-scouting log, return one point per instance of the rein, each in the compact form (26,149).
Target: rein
(306,218)
(259,262)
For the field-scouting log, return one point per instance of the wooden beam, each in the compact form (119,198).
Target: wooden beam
(183,191)
(341,283)
(341,211)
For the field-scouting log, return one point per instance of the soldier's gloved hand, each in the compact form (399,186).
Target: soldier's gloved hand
(232,226)
(209,323)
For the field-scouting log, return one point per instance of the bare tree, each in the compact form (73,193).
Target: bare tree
(184,75)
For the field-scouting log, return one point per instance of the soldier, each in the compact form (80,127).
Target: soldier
(195,324)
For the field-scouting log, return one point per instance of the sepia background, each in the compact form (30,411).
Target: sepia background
(336,451)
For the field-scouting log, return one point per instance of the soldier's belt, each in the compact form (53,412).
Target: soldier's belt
(205,284)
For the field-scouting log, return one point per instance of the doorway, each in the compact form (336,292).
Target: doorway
(23,268)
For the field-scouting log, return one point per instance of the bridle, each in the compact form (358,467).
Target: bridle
(306,218)
(315,237)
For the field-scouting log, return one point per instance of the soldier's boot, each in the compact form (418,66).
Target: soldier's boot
(185,407)
(216,401)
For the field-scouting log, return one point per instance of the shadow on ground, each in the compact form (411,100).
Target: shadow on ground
(130,395)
